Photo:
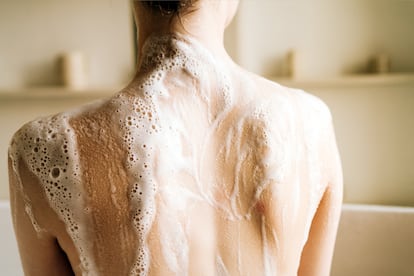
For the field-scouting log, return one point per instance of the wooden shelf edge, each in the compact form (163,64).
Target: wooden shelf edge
(362,80)
(57,92)
(50,93)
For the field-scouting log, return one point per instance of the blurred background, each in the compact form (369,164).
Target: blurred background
(357,55)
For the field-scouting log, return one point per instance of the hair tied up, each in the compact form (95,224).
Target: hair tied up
(168,7)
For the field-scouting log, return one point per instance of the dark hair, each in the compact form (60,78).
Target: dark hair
(168,7)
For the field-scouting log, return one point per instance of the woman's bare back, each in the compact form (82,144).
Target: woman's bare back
(196,168)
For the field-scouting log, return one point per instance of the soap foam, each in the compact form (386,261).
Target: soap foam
(48,148)
(151,130)
(146,132)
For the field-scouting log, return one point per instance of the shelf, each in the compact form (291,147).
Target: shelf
(55,93)
(368,80)
(62,93)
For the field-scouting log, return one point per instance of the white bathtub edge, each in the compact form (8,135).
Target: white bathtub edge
(377,208)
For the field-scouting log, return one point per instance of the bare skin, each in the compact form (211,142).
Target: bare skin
(239,211)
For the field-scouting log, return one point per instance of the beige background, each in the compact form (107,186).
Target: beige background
(34,33)
(330,37)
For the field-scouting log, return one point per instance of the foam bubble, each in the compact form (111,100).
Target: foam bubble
(48,148)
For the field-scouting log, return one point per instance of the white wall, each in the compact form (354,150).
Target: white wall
(9,255)
(34,32)
(375,132)
(330,37)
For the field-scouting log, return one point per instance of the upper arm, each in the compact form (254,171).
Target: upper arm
(40,252)
(318,251)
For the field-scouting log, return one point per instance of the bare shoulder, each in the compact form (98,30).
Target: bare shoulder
(45,143)
(313,116)
(302,104)
(33,137)
(295,116)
